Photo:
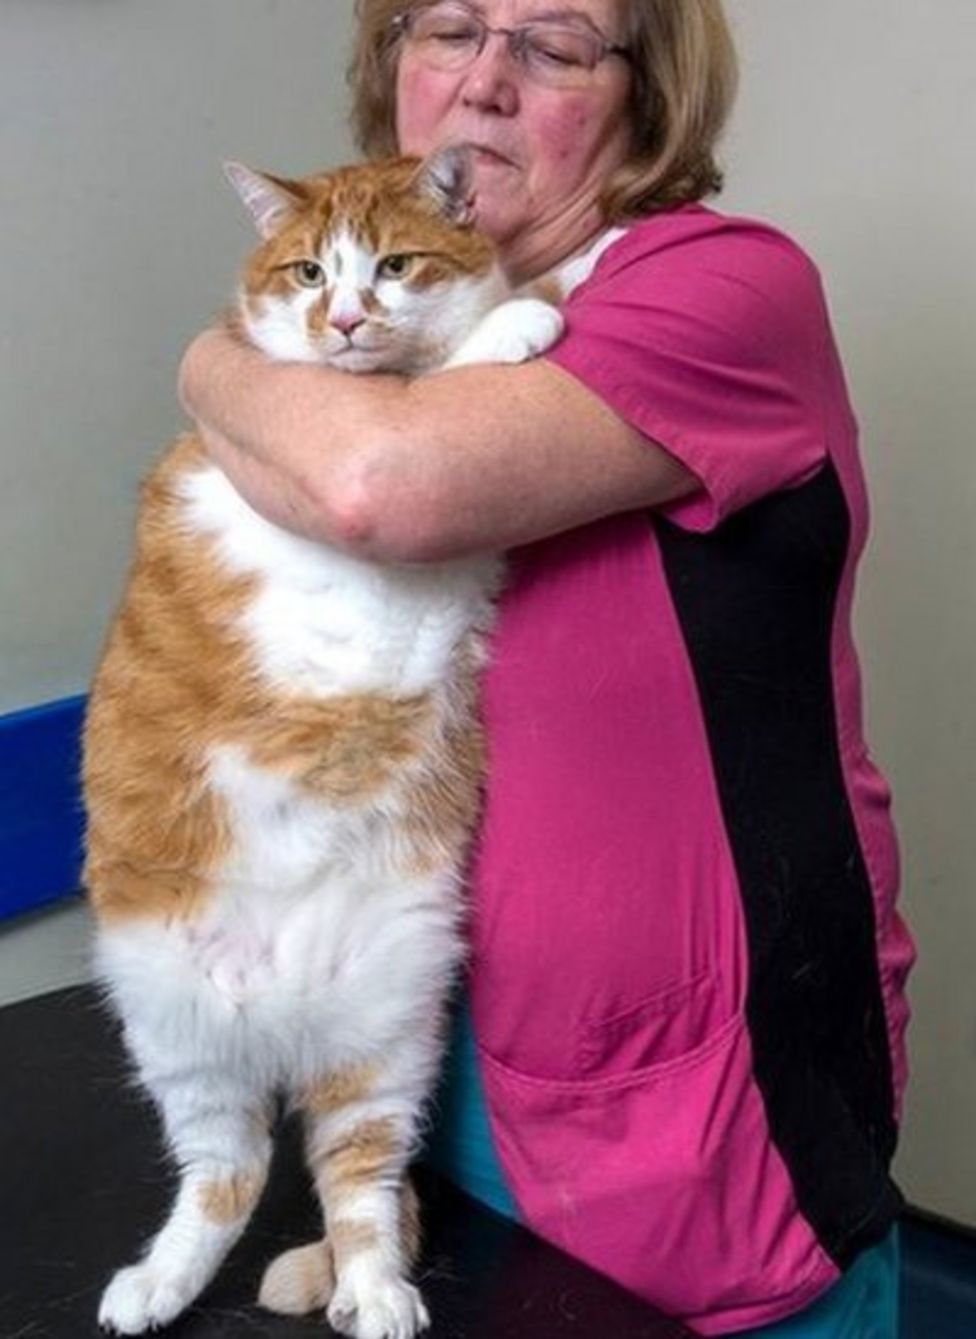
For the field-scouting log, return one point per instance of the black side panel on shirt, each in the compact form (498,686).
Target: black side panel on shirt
(756,600)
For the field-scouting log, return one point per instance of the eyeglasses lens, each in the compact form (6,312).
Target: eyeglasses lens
(449,37)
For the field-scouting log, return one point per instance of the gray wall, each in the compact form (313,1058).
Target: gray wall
(855,131)
(119,240)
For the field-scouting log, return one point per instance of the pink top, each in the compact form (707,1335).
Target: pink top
(687,979)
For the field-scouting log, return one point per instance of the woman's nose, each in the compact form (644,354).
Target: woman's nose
(491,80)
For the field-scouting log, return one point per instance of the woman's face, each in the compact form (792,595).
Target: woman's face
(544,152)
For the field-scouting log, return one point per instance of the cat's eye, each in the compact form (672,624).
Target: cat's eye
(309,273)
(395,266)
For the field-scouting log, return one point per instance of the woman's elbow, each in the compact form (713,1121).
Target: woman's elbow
(373,514)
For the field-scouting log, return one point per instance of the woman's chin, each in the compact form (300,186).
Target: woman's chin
(494,218)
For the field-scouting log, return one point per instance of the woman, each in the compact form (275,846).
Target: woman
(687,969)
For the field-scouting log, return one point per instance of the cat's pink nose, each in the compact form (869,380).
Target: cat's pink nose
(347,322)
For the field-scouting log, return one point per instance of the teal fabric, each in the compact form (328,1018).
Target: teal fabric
(861,1305)
(460,1144)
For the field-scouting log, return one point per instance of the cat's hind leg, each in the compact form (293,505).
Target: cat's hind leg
(302,1280)
(220,1138)
(361,1132)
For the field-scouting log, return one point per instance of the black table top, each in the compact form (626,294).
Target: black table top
(83,1183)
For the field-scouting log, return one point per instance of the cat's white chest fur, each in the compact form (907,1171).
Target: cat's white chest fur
(323,623)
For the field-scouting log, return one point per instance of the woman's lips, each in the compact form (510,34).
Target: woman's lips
(490,157)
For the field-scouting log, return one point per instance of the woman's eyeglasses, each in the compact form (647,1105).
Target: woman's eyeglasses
(557,52)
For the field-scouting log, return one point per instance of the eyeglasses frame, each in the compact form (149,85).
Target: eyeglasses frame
(399,27)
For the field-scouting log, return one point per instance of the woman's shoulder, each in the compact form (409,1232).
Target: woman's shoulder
(696,242)
(701,287)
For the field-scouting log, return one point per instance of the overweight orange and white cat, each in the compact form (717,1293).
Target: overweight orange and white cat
(282,771)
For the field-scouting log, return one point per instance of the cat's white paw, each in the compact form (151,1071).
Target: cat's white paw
(143,1297)
(516,331)
(387,1309)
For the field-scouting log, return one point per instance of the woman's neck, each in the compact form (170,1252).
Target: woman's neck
(551,243)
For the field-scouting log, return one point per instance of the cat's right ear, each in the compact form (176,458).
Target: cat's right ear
(270,201)
(446,177)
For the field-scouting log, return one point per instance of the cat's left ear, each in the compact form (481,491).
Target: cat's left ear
(447,178)
(270,201)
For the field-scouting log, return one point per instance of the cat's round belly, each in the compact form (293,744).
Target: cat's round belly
(286,992)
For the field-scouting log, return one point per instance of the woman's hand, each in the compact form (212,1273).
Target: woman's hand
(199,369)
(197,386)
(258,421)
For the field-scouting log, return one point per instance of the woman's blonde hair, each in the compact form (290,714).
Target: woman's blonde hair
(684,80)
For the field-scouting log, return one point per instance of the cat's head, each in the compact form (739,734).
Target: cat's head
(367,268)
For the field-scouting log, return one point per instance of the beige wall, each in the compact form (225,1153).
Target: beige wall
(855,131)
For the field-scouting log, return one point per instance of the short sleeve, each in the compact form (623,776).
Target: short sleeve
(707,334)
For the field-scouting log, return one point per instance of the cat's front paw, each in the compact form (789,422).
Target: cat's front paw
(143,1297)
(516,331)
(387,1309)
